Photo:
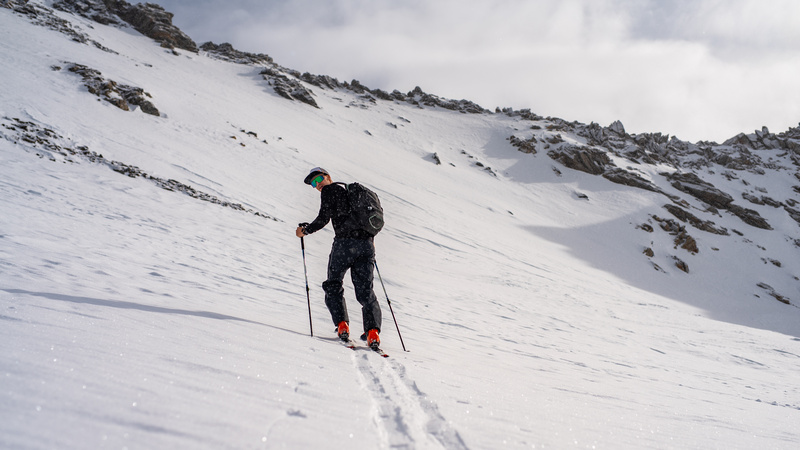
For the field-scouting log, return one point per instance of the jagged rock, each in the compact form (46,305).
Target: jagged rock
(43,16)
(397,95)
(226,52)
(11,4)
(356,87)
(749,216)
(524,114)
(419,97)
(686,216)
(119,95)
(740,139)
(762,139)
(321,81)
(682,237)
(154,22)
(680,264)
(558,124)
(381,94)
(774,262)
(149,19)
(622,176)
(594,134)
(649,252)
(585,159)
(738,158)
(686,242)
(693,185)
(752,198)
(96,10)
(771,291)
(525,146)
(669,225)
(288,88)
(763,200)
(617,128)
(45,141)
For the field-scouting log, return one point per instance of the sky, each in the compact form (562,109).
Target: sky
(695,69)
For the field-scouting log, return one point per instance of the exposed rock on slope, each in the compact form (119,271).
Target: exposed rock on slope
(680,162)
(119,95)
(45,17)
(149,19)
(46,143)
(226,52)
(288,87)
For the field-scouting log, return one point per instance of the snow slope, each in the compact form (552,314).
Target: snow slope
(137,317)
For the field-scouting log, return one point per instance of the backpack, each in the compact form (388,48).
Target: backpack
(366,212)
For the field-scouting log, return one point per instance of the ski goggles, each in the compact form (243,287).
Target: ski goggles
(317,181)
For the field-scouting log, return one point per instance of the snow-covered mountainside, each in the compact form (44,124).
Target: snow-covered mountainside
(556,284)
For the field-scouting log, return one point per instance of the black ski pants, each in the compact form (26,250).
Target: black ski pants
(357,255)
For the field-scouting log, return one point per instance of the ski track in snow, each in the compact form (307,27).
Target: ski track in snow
(404,416)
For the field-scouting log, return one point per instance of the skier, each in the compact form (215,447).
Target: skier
(353,249)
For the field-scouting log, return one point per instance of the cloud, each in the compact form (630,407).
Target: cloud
(699,69)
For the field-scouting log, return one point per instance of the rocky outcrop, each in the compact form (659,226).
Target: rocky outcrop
(704,225)
(691,184)
(289,88)
(627,178)
(682,237)
(604,147)
(706,192)
(119,95)
(750,217)
(96,10)
(771,292)
(46,143)
(321,81)
(11,4)
(226,52)
(43,16)
(526,145)
(585,159)
(154,22)
(149,19)
(524,114)
(419,97)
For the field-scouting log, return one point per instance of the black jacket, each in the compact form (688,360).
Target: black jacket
(334,206)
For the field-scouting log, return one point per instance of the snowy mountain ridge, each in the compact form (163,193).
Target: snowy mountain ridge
(558,284)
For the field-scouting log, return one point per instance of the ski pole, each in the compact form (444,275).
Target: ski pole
(308,291)
(390,307)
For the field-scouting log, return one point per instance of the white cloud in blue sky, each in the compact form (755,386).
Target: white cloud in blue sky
(698,69)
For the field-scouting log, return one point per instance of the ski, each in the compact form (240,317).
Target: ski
(351,344)
(380,352)
(374,349)
(348,343)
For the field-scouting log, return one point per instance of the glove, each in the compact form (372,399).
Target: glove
(301,229)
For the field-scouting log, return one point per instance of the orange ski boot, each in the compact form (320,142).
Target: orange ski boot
(343,330)
(373,340)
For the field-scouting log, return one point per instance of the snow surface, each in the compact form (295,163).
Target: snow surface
(136,317)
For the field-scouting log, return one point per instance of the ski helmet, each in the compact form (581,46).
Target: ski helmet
(314,172)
